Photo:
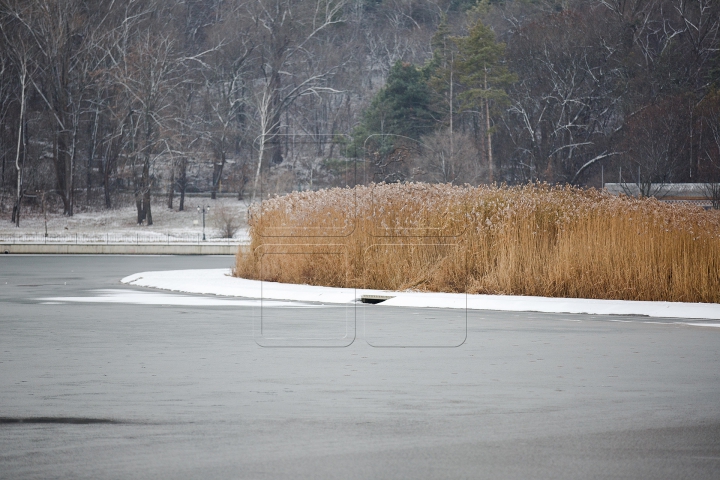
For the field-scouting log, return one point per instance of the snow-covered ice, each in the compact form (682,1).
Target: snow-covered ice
(220,282)
(152,298)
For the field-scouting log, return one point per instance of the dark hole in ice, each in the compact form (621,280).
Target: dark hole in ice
(66,420)
(374,299)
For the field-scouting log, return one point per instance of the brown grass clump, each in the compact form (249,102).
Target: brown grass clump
(530,240)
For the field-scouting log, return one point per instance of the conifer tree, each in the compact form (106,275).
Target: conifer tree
(484,76)
(441,74)
(400,108)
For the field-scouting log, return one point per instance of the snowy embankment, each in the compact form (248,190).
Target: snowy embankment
(220,282)
(119,225)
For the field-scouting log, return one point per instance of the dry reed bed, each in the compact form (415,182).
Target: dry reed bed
(529,240)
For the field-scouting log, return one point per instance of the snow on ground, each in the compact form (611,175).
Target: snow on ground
(220,282)
(123,221)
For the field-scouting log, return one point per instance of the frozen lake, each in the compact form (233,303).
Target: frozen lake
(104,380)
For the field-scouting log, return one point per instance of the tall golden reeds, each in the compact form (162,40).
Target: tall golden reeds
(529,240)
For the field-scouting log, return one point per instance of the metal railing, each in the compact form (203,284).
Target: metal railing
(81,238)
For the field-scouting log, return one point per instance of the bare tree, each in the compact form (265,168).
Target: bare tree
(225,83)
(20,57)
(564,108)
(117,121)
(149,75)
(287,33)
(655,146)
(708,147)
(6,102)
(450,158)
(22,61)
(712,191)
(58,31)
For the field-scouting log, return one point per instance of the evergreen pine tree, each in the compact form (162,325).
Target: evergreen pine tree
(400,108)
(483,74)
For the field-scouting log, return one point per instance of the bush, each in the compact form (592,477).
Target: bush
(226,220)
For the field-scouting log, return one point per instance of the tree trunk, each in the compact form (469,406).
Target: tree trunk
(106,164)
(182,183)
(217,175)
(147,213)
(18,201)
(259,168)
(106,186)
(139,206)
(242,182)
(487,132)
(2,176)
(18,165)
(171,186)
(91,156)
(71,166)
(138,191)
(146,208)
(61,170)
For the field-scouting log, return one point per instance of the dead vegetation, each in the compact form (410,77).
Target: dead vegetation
(529,240)
(226,220)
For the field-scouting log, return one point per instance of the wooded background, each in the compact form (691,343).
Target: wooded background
(108,101)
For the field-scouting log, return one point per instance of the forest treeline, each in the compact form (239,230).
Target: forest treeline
(108,101)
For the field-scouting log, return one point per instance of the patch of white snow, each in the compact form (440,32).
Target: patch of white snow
(220,282)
